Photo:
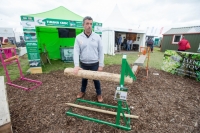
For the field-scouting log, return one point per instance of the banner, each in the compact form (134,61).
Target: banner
(30,38)
(182,63)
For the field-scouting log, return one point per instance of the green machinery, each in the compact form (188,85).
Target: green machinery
(120,96)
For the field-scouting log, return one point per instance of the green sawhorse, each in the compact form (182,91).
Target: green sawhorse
(120,96)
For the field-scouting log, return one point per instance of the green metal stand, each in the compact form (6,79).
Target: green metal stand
(125,71)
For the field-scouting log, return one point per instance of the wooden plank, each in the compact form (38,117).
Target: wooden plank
(140,61)
(100,110)
(7,128)
(35,70)
(8,46)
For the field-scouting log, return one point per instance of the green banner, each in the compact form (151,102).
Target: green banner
(27,18)
(182,63)
(62,23)
(30,36)
(31,22)
(67,23)
(29,30)
(32,50)
(97,24)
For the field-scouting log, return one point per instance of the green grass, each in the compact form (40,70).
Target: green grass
(156,58)
(155,62)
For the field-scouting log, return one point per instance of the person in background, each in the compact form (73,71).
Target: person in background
(129,42)
(116,39)
(88,50)
(119,42)
(150,43)
(182,44)
(124,43)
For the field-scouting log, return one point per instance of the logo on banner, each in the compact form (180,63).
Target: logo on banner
(39,22)
(97,29)
(27,24)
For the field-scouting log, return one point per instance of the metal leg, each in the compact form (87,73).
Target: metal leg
(48,58)
(42,61)
(20,70)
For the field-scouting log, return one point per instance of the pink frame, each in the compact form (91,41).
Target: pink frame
(8,54)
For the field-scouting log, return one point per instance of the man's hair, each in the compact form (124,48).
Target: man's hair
(87,18)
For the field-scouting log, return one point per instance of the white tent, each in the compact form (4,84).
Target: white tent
(116,22)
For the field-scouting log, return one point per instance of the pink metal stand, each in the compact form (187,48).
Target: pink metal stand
(10,57)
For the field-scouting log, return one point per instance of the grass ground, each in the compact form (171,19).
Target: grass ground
(155,62)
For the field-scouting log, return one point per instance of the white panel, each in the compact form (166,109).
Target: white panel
(2,89)
(4,109)
(4,119)
(22,51)
(111,43)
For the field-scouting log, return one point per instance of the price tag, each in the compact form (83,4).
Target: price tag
(121,93)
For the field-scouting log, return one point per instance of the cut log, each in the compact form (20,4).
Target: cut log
(100,110)
(96,75)
(140,61)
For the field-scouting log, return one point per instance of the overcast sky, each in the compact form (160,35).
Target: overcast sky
(146,13)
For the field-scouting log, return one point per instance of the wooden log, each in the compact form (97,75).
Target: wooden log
(101,110)
(96,75)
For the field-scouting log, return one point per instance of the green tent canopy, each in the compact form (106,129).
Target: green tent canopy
(58,13)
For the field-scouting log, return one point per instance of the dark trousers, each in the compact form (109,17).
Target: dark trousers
(118,47)
(181,50)
(151,46)
(85,81)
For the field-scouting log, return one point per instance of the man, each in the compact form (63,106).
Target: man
(119,42)
(182,44)
(150,44)
(124,43)
(116,40)
(89,51)
(129,42)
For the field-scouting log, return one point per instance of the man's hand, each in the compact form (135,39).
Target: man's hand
(100,68)
(76,69)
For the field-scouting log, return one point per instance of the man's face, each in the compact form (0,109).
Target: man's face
(87,25)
